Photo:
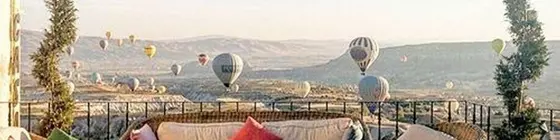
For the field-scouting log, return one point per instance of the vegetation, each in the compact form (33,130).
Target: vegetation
(516,71)
(60,34)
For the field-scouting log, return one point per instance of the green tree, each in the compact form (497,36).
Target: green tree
(516,71)
(60,34)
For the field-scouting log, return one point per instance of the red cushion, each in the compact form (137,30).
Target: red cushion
(253,130)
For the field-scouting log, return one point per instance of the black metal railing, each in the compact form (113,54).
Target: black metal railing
(109,120)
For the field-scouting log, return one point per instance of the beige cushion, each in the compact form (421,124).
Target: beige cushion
(16,132)
(189,131)
(331,129)
(418,131)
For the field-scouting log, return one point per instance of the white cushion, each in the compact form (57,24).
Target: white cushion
(331,129)
(418,131)
(144,133)
(191,131)
(16,132)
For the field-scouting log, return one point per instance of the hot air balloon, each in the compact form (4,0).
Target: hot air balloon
(75,64)
(120,42)
(528,102)
(176,69)
(150,51)
(449,85)
(364,51)
(304,88)
(69,50)
(68,74)
(114,79)
(404,58)
(151,81)
(96,78)
(235,88)
(227,67)
(78,76)
(498,45)
(203,59)
(161,89)
(103,44)
(108,35)
(70,87)
(372,88)
(132,39)
(133,84)
(451,103)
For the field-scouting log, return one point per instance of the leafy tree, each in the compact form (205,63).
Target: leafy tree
(516,71)
(60,34)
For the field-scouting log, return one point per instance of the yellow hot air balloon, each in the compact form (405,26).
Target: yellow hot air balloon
(108,35)
(150,51)
(498,45)
(132,39)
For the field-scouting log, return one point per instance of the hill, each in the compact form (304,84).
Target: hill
(469,66)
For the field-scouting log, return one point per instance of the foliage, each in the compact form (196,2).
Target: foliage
(525,66)
(60,34)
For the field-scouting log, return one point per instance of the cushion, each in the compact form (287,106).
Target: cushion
(191,131)
(252,130)
(330,129)
(144,133)
(419,131)
(58,134)
(354,132)
(16,133)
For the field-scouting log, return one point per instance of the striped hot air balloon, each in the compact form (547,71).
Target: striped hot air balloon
(364,52)
(372,88)
(227,67)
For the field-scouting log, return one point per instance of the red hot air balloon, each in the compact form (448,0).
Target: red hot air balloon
(203,59)
(404,58)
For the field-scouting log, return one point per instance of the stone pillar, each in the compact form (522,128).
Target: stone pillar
(9,62)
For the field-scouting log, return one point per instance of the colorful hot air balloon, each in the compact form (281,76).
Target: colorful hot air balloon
(372,88)
(120,42)
(364,51)
(203,59)
(71,87)
(75,65)
(404,58)
(176,69)
(69,50)
(449,85)
(103,44)
(150,51)
(498,45)
(108,35)
(133,84)
(227,67)
(451,103)
(151,81)
(132,39)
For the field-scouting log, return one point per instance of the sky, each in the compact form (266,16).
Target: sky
(394,21)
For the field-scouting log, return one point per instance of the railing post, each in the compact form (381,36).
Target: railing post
(183,107)
(29,117)
(396,119)
(219,106)
(414,112)
(362,110)
(308,106)
(481,118)
(488,122)
(449,111)
(551,120)
(108,121)
(164,108)
(432,113)
(200,105)
(126,114)
(255,106)
(326,106)
(273,106)
(88,120)
(379,121)
(291,106)
(466,112)
(344,107)
(236,106)
(146,110)
(474,114)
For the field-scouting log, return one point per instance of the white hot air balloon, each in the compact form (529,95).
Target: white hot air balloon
(528,102)
(227,67)
(96,78)
(133,84)
(151,81)
(103,44)
(364,52)
(71,87)
(69,50)
(451,103)
(449,85)
(176,69)
(161,89)
(234,88)
(304,88)
(372,88)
